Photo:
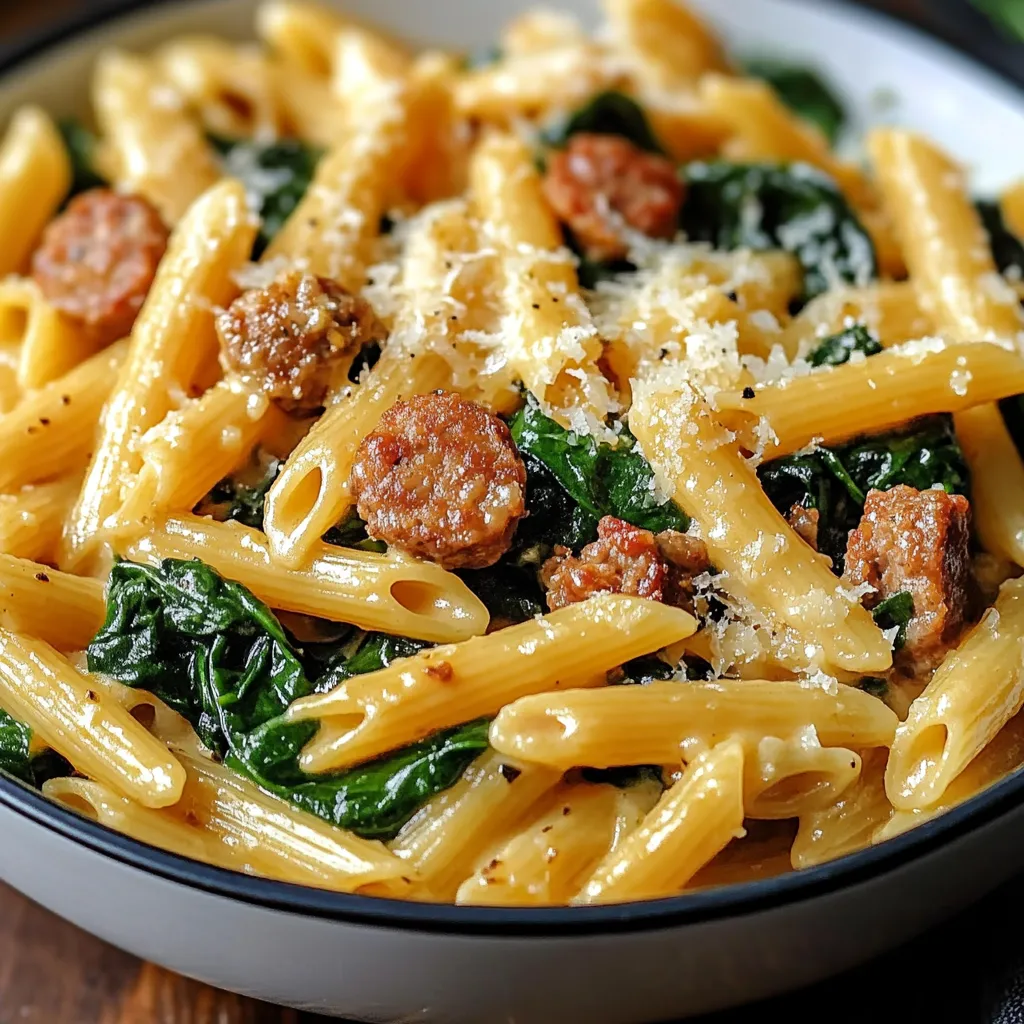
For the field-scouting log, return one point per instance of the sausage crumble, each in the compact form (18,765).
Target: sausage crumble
(98,258)
(440,477)
(599,181)
(294,334)
(916,541)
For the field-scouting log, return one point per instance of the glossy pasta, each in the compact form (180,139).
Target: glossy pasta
(554,479)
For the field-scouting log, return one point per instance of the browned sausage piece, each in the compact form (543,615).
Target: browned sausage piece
(96,260)
(441,478)
(685,559)
(600,181)
(294,334)
(805,523)
(916,541)
(623,560)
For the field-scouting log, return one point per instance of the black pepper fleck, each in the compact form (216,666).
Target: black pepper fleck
(748,392)
(509,773)
(42,577)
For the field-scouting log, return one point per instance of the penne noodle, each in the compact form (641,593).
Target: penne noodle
(82,723)
(709,480)
(543,864)
(548,335)
(448,835)
(870,395)
(663,722)
(976,690)
(850,823)
(172,337)
(389,592)
(32,518)
(35,175)
(64,610)
(153,147)
(52,430)
(459,682)
(693,821)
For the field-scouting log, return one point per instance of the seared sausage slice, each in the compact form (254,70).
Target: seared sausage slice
(599,183)
(97,259)
(440,477)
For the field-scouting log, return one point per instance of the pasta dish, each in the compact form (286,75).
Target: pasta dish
(548,476)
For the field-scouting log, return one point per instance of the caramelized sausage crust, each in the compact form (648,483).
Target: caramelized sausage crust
(440,477)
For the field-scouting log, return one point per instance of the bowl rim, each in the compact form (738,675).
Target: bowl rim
(700,907)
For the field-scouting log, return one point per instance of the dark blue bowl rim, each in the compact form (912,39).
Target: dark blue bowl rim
(997,801)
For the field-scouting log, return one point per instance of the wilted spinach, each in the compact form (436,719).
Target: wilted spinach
(792,207)
(241,497)
(511,592)
(607,113)
(275,175)
(81,145)
(216,654)
(804,92)
(835,481)
(17,759)
(837,348)
(597,479)
(1007,250)
(896,610)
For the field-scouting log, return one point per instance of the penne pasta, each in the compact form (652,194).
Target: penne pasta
(692,822)
(78,720)
(835,404)
(32,518)
(35,600)
(170,341)
(709,479)
(389,592)
(664,722)
(35,175)
(459,682)
(52,430)
(976,690)
(450,833)
(153,147)
(850,823)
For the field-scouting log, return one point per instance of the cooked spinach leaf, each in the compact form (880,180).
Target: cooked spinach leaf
(213,652)
(351,533)
(835,481)
(1007,15)
(1007,249)
(598,479)
(607,113)
(804,92)
(896,610)
(275,175)
(875,685)
(17,759)
(81,144)
(368,653)
(625,776)
(511,592)
(837,348)
(793,207)
(242,497)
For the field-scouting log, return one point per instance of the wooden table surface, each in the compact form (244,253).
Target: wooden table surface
(53,973)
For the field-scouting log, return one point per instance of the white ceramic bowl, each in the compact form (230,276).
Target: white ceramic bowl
(382,960)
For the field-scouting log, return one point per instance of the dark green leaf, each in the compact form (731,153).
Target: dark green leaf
(804,92)
(81,146)
(896,610)
(242,497)
(351,533)
(1007,250)
(1008,15)
(875,685)
(836,349)
(511,593)
(624,777)
(15,743)
(792,207)
(600,481)
(835,481)
(216,654)
(607,113)
(275,174)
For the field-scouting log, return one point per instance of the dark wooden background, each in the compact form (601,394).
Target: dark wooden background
(971,970)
